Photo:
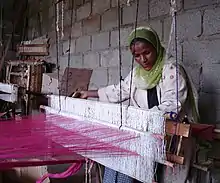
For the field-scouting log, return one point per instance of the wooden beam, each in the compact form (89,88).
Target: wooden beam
(179,129)
(33,49)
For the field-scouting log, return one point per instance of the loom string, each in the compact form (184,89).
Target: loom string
(120,62)
(132,63)
(56,7)
(69,49)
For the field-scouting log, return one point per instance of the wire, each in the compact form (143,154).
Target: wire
(132,64)
(70,37)
(120,62)
(57,48)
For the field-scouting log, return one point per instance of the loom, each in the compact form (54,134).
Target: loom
(127,139)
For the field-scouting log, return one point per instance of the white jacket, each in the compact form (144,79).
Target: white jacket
(166,92)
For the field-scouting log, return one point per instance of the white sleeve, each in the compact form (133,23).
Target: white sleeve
(112,93)
(169,90)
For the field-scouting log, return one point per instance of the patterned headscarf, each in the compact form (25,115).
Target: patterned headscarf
(148,79)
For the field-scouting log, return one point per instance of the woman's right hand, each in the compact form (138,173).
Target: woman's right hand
(84,94)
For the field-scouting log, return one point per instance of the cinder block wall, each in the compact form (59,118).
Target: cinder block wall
(94,41)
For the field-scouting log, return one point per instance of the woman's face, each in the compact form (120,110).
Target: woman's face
(144,54)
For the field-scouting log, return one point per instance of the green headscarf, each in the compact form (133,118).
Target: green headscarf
(142,78)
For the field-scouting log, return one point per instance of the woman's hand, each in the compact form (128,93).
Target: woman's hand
(86,94)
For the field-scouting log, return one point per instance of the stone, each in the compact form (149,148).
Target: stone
(83,44)
(83,11)
(212,21)
(100,6)
(129,13)
(91,60)
(109,19)
(124,33)
(92,25)
(100,41)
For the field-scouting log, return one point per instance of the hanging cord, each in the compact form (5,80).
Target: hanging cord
(70,37)
(56,7)
(132,64)
(174,15)
(120,62)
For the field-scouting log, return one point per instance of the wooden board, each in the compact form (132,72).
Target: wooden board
(178,129)
(78,80)
(33,49)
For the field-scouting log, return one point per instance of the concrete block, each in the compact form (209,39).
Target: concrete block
(161,8)
(100,6)
(99,78)
(127,58)
(83,44)
(110,58)
(67,17)
(209,107)
(92,24)
(124,33)
(212,21)
(194,71)
(76,61)
(114,3)
(189,26)
(205,52)
(83,11)
(68,4)
(100,41)
(76,29)
(109,19)
(78,3)
(91,60)
(114,74)
(198,3)
(66,48)
(211,78)
(129,13)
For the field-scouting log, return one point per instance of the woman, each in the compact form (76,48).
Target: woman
(153,87)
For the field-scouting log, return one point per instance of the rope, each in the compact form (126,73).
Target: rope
(56,7)
(70,37)
(120,62)
(132,64)
(174,12)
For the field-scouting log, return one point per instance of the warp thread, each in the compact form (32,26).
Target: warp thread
(69,172)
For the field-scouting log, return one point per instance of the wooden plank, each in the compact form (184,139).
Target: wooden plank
(8,88)
(178,129)
(175,159)
(78,80)
(33,49)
